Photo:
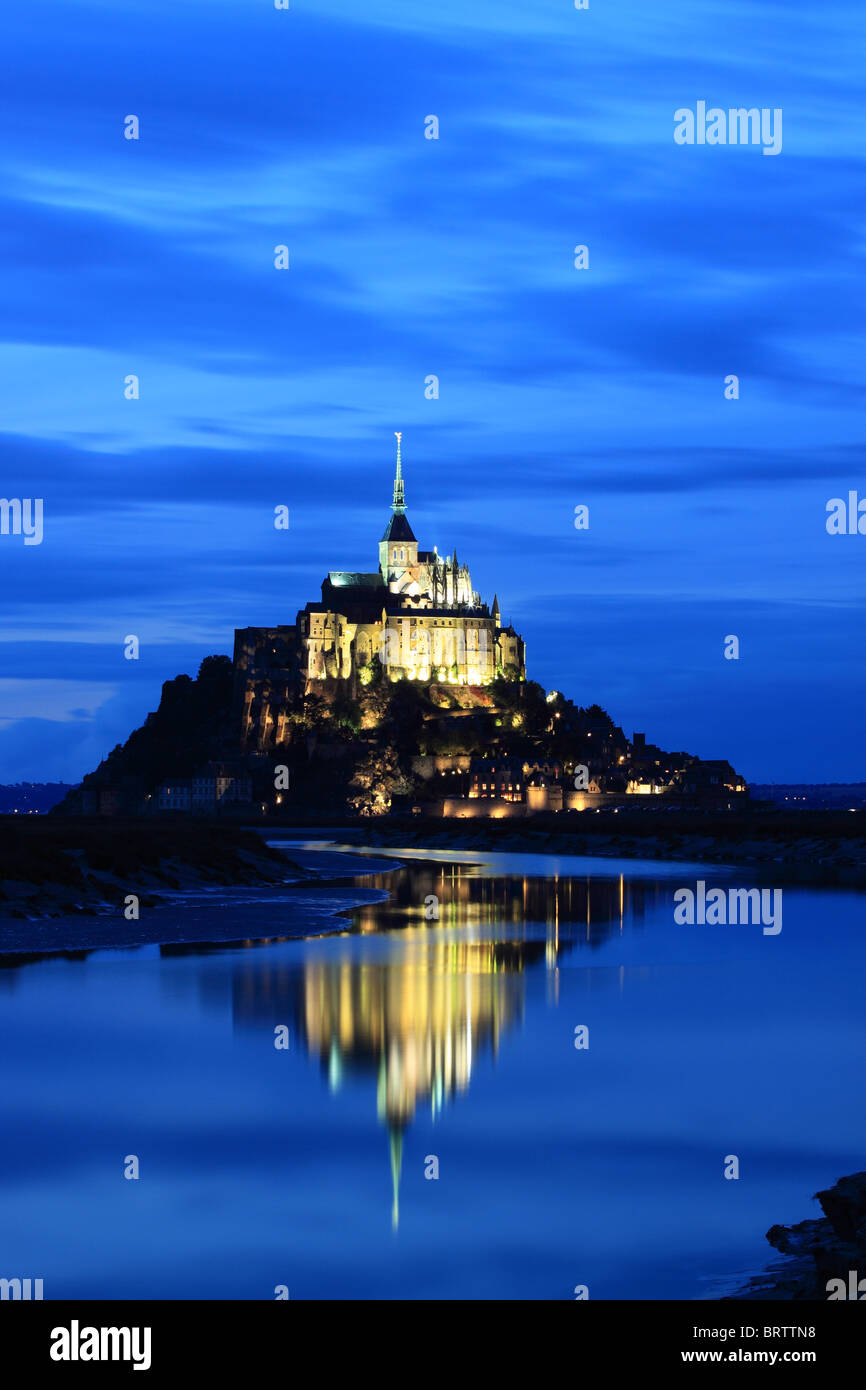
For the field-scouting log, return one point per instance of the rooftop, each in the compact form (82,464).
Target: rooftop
(354,579)
(398,529)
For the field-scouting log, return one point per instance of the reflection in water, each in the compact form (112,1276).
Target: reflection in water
(466,896)
(561,1167)
(417,1020)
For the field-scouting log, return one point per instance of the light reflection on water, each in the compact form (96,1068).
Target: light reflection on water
(417,1020)
(449,1037)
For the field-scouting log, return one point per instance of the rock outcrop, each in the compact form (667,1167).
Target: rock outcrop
(819,1251)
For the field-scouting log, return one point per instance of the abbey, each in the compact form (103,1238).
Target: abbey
(417,613)
(416,617)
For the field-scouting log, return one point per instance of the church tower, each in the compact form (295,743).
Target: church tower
(398,548)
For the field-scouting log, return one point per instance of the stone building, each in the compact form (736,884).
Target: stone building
(496,778)
(210,788)
(175,794)
(418,613)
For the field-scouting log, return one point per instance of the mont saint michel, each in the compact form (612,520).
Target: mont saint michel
(416,616)
(432,800)
(400,690)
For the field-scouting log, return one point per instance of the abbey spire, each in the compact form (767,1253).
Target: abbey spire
(416,614)
(398,506)
(398,548)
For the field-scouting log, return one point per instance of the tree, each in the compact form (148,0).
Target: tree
(313,710)
(596,712)
(536,713)
(346,713)
(378,778)
(215,667)
(215,682)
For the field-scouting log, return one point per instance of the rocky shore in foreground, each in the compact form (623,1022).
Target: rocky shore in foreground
(826,1258)
(63,867)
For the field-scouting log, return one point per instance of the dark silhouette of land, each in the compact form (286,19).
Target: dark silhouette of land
(53,865)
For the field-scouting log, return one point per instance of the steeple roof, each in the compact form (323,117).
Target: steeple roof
(398,529)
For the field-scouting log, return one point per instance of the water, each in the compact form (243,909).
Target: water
(411,1039)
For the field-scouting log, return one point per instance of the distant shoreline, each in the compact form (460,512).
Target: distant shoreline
(69,866)
(800,846)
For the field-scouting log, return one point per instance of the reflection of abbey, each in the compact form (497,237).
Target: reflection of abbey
(417,615)
(402,1026)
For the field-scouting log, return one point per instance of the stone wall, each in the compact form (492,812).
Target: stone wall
(476,808)
(426,766)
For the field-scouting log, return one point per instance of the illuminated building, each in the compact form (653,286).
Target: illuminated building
(417,615)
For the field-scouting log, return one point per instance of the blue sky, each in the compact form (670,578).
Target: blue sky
(452,257)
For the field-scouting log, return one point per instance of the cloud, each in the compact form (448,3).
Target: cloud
(412,257)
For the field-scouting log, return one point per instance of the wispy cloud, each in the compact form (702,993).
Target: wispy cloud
(412,257)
